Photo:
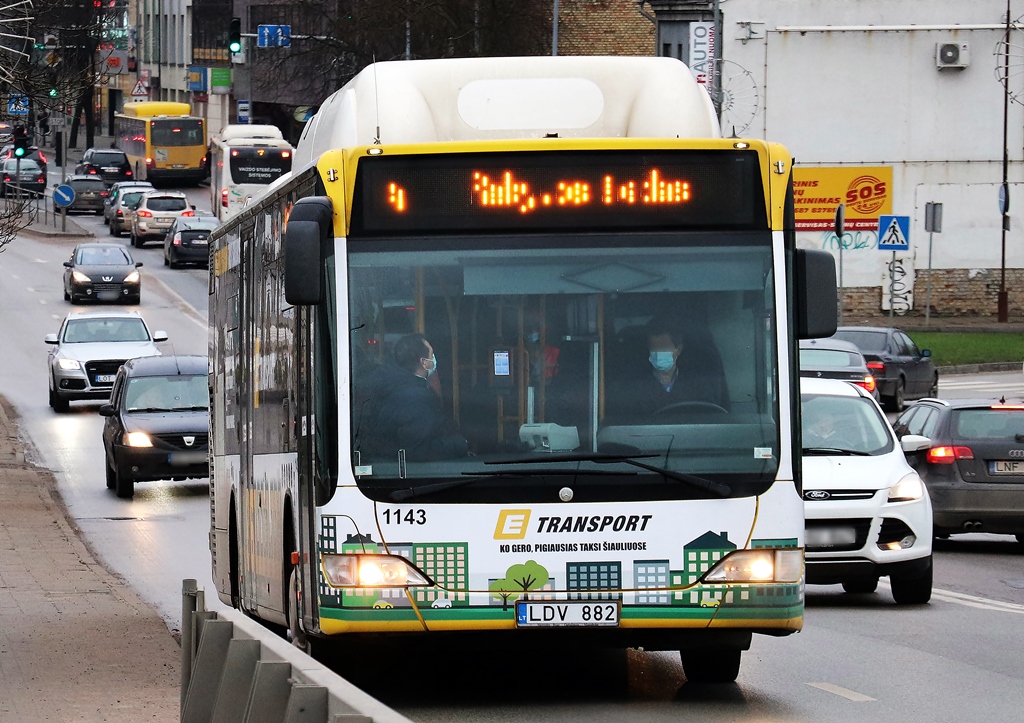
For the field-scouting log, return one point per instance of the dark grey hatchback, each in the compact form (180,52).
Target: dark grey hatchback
(188,241)
(157,422)
(974,469)
(901,370)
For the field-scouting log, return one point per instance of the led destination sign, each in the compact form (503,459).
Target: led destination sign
(559,190)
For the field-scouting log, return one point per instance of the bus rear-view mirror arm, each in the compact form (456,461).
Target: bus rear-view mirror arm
(310,229)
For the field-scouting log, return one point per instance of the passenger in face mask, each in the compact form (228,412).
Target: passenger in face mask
(409,415)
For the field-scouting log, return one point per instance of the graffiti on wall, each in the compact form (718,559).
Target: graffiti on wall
(900,295)
(851,241)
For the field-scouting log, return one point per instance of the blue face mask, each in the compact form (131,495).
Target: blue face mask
(433,362)
(533,337)
(662,360)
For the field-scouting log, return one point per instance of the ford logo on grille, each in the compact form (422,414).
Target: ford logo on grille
(817,495)
(1017,452)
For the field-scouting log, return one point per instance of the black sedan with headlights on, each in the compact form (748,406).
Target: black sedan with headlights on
(102,272)
(156,422)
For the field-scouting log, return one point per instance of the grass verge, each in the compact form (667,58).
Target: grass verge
(949,348)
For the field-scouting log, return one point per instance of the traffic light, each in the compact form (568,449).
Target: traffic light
(53,92)
(20,134)
(235,36)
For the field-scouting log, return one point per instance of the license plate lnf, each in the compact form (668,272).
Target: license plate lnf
(567,613)
(1008,466)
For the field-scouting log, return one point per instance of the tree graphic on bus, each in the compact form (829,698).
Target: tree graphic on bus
(519,579)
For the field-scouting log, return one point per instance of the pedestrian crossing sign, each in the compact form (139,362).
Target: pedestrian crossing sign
(893,233)
(140,90)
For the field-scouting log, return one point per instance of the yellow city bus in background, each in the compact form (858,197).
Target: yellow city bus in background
(163,141)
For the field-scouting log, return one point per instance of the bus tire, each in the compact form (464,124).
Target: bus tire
(711,665)
(295,632)
(912,589)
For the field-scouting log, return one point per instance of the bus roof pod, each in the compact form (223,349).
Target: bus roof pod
(428,101)
(237,131)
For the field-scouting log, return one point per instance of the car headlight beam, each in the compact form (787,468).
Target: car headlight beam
(80,277)
(907,489)
(137,439)
(372,571)
(69,364)
(753,566)
(132,278)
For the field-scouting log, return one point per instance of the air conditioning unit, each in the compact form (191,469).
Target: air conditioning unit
(952,55)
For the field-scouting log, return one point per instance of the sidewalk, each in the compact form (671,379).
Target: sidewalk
(76,644)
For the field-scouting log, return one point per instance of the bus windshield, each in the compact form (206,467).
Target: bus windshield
(259,165)
(177,132)
(536,360)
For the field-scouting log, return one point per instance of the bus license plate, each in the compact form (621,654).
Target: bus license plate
(558,613)
(829,536)
(177,165)
(1007,467)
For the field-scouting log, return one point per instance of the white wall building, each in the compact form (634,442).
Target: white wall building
(857,83)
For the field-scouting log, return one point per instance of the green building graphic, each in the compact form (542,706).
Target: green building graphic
(447,564)
(591,576)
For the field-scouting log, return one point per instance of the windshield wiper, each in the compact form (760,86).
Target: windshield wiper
(825,451)
(723,490)
(480,475)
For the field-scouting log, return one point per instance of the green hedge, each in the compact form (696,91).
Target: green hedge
(970,347)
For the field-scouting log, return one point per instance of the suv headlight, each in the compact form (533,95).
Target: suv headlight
(80,277)
(907,489)
(69,364)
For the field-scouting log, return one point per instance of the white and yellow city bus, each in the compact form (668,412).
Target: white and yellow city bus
(538,221)
(163,141)
(244,161)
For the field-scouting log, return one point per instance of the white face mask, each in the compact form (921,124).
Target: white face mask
(433,365)
(662,360)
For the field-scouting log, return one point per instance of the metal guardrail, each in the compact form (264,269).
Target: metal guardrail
(233,670)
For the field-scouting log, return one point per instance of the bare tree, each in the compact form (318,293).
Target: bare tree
(343,36)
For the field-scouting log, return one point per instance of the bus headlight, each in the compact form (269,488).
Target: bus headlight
(372,571)
(759,566)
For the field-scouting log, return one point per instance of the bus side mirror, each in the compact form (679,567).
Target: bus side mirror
(816,294)
(309,231)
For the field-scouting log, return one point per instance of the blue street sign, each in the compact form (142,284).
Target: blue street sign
(264,34)
(273,36)
(893,233)
(17,105)
(63,196)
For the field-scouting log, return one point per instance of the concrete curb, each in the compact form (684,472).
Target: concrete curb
(980,368)
(55,235)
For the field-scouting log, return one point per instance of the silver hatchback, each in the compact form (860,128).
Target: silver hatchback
(155,213)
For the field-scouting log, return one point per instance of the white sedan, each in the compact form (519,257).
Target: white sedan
(867,511)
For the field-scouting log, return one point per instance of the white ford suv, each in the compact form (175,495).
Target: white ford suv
(867,511)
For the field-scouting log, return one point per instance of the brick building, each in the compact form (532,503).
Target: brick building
(603,27)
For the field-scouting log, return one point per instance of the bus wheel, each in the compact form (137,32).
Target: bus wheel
(295,632)
(711,665)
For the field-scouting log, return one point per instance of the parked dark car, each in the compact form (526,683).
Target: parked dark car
(835,359)
(32,153)
(188,241)
(26,174)
(974,469)
(110,203)
(90,193)
(109,164)
(104,272)
(901,370)
(156,422)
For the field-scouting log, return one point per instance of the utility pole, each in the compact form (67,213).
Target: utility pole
(554,30)
(1003,306)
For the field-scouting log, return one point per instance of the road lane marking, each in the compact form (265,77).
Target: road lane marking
(843,692)
(972,601)
(29,288)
